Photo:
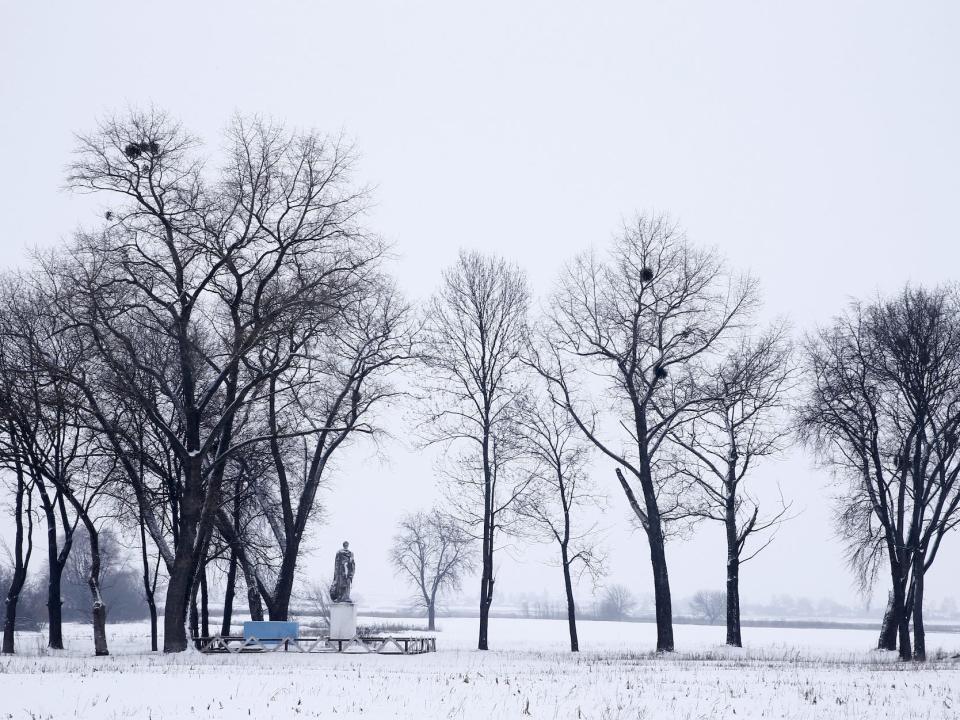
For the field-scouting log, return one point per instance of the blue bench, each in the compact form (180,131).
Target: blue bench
(270,631)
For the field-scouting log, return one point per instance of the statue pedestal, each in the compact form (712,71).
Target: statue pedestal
(343,621)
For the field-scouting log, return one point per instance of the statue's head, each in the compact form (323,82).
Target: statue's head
(345,544)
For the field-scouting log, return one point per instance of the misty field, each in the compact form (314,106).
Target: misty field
(781,673)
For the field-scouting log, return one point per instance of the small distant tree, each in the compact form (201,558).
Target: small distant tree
(432,552)
(709,605)
(616,603)
(316,598)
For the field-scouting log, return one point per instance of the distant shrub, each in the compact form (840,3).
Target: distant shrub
(385,628)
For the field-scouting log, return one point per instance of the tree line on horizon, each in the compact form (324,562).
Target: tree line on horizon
(189,371)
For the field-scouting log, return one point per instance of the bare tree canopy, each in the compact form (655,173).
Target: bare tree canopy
(642,322)
(559,494)
(201,293)
(741,419)
(475,332)
(883,411)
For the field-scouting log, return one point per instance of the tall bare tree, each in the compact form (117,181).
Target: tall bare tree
(41,411)
(56,446)
(883,411)
(560,494)
(474,335)
(330,394)
(23,534)
(742,419)
(641,323)
(432,553)
(196,293)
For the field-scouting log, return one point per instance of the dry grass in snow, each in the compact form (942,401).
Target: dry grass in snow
(781,674)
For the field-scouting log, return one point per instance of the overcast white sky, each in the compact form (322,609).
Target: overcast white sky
(817,146)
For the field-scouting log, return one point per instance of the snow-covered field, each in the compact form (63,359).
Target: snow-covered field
(782,673)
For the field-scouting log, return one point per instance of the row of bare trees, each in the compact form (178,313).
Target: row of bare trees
(191,367)
(651,356)
(190,370)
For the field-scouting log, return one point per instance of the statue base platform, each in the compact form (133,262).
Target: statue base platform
(343,621)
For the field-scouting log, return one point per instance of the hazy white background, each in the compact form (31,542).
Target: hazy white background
(817,146)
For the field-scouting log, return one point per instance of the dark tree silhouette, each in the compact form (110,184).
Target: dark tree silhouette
(883,411)
(474,334)
(554,502)
(742,418)
(194,296)
(643,321)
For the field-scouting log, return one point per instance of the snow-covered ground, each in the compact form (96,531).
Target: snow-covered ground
(795,673)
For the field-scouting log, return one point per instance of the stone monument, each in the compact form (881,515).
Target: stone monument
(343,613)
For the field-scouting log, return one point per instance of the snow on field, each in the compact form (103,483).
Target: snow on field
(782,673)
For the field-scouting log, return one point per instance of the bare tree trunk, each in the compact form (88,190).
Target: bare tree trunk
(55,602)
(154,644)
(194,615)
(432,616)
(661,589)
(21,560)
(279,606)
(253,594)
(54,574)
(571,607)
(888,628)
(658,555)
(228,595)
(486,576)
(919,634)
(486,584)
(204,604)
(99,606)
(653,527)
(175,608)
(148,586)
(486,599)
(733,574)
(181,584)
(903,621)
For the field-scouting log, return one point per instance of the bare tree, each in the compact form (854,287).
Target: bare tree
(559,495)
(196,294)
(741,420)
(330,394)
(616,603)
(55,445)
(883,411)
(41,409)
(23,535)
(710,605)
(474,335)
(149,578)
(642,323)
(431,552)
